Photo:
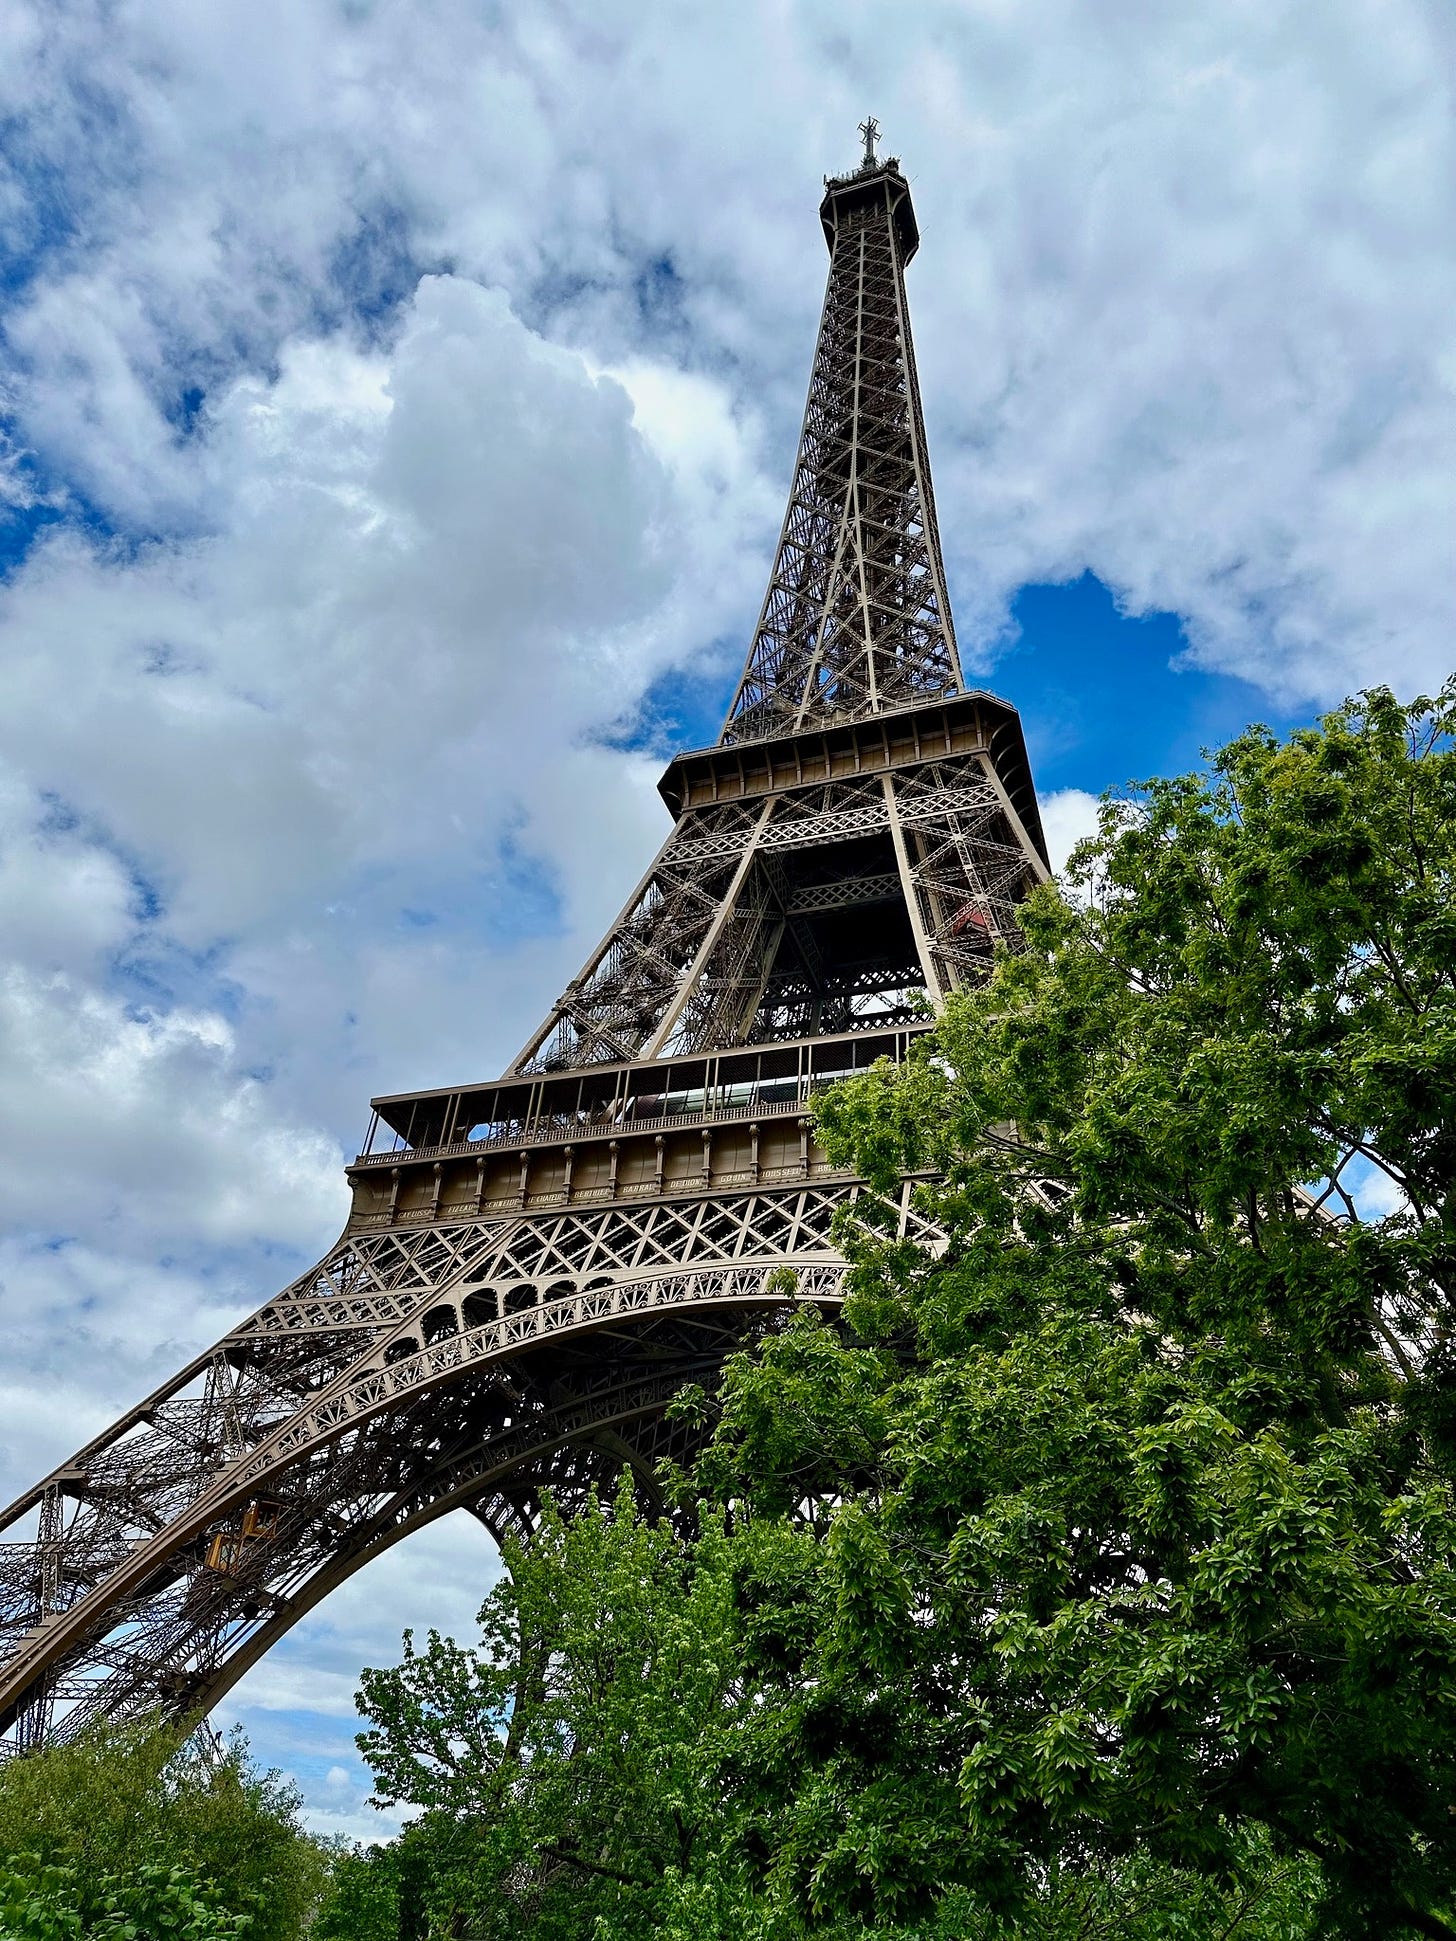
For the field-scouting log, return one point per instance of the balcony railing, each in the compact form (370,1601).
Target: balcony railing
(565,1131)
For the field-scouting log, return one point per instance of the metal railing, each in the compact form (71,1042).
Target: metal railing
(565,1131)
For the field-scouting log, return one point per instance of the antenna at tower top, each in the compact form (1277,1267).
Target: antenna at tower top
(870,129)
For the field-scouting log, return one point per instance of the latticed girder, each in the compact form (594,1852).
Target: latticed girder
(411,1371)
(780,917)
(856,620)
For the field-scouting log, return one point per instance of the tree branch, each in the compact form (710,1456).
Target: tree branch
(571,1859)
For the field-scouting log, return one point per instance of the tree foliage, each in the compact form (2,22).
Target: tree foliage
(603,1764)
(149,1902)
(126,1825)
(363,1900)
(567,1760)
(1159,1540)
(1098,1573)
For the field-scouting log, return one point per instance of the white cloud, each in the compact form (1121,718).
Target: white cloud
(418,586)
(64,901)
(1067,817)
(1374,1192)
(150,1104)
(1190,322)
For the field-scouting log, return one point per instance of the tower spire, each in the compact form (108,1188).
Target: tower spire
(856,618)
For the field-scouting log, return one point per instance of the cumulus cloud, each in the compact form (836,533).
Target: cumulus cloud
(407,552)
(1067,817)
(327,771)
(150,1104)
(1190,323)
(1215,362)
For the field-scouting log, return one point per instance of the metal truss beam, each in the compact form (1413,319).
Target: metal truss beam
(439,1363)
(856,619)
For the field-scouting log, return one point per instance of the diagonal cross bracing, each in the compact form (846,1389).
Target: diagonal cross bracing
(855,620)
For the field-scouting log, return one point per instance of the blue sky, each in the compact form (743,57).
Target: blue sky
(398,405)
(1109,700)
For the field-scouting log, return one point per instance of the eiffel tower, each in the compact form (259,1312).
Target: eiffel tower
(534,1265)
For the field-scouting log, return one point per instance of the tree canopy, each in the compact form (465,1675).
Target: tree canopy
(1095,1568)
(130,1829)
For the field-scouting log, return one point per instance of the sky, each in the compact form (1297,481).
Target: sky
(397,402)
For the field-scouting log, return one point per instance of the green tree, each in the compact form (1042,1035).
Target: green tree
(131,1807)
(362,1899)
(1142,1530)
(566,1763)
(605,1765)
(46,1902)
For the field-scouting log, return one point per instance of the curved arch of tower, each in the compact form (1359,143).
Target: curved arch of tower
(533,1265)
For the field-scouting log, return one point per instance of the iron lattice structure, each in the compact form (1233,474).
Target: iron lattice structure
(533,1266)
(856,618)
